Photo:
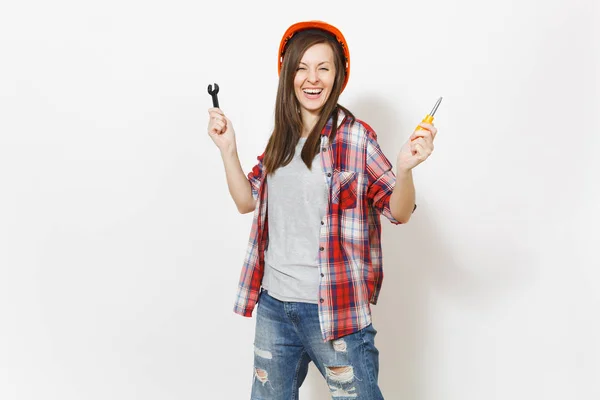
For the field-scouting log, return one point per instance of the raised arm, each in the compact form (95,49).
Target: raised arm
(220,130)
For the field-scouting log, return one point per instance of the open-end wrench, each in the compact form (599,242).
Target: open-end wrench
(213,93)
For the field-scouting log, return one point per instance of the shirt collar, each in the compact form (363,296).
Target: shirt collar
(327,128)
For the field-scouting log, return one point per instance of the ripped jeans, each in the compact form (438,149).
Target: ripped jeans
(288,337)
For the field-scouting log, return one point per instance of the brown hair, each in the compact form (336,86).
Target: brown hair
(288,121)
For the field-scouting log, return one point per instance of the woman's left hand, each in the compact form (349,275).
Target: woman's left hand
(418,147)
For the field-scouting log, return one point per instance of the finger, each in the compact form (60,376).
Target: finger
(426,125)
(419,140)
(426,145)
(425,141)
(219,118)
(421,152)
(424,134)
(429,127)
(220,127)
(414,150)
(213,110)
(420,133)
(425,151)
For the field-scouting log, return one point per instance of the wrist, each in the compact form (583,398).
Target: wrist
(403,171)
(229,152)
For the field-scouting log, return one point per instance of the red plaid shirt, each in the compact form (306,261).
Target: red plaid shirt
(361,182)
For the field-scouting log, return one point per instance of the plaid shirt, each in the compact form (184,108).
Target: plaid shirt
(361,181)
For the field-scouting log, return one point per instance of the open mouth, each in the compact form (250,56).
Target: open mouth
(313,92)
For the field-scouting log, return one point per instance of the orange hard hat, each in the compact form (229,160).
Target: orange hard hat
(301,26)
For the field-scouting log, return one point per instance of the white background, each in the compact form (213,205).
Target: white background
(120,248)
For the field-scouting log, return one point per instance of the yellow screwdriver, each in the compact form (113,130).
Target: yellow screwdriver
(429,117)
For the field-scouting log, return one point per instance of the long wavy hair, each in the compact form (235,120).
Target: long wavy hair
(288,121)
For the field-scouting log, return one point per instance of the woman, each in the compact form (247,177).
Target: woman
(314,257)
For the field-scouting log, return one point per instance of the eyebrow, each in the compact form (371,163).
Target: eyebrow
(322,62)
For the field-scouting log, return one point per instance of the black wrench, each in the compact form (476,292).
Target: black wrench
(213,93)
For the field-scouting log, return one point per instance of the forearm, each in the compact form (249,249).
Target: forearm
(402,201)
(239,187)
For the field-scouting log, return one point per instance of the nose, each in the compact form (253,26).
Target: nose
(313,76)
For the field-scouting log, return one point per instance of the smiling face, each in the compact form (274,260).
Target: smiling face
(314,79)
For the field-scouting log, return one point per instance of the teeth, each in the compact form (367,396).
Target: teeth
(313,91)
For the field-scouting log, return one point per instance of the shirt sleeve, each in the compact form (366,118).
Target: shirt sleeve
(382,179)
(255,176)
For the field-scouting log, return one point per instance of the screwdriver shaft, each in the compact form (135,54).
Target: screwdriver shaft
(432,113)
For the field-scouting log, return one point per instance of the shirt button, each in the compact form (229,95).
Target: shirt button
(321,300)
(321,248)
(329,174)
(322,275)
(324,149)
(322,223)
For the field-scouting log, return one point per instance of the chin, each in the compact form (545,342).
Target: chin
(312,107)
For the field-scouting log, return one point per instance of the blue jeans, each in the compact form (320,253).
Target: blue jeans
(288,337)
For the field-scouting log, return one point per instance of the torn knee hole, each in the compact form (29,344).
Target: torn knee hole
(261,375)
(340,374)
(339,370)
(263,353)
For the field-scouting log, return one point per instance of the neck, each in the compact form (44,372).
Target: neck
(309,120)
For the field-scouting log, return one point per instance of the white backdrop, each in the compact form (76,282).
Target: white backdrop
(120,248)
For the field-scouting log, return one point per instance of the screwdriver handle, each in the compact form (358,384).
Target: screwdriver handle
(428,119)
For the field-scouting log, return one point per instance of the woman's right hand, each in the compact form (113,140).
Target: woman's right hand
(220,130)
